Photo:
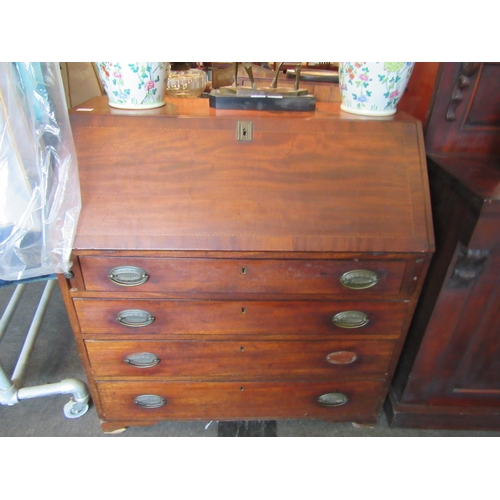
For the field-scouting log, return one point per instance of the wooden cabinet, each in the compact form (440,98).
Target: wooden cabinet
(224,279)
(449,373)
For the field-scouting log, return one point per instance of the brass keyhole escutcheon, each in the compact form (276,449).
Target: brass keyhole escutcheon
(244,131)
(243,270)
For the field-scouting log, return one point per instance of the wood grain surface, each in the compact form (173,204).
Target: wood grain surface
(323,181)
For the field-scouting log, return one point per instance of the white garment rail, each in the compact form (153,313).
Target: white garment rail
(11,390)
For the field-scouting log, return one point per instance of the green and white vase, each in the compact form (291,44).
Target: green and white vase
(373,88)
(134,85)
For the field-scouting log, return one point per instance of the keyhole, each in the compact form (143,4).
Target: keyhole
(244,131)
(243,310)
(242,348)
(243,270)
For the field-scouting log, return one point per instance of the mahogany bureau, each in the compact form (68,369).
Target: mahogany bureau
(245,265)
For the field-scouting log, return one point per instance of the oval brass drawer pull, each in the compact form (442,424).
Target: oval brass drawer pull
(150,401)
(350,319)
(142,360)
(341,357)
(136,318)
(333,399)
(359,279)
(128,276)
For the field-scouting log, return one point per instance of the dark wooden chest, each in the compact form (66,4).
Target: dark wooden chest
(449,373)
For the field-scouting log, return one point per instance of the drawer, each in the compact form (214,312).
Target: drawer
(230,360)
(181,317)
(240,400)
(196,275)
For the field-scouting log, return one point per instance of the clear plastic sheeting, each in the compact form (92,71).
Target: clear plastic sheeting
(40,198)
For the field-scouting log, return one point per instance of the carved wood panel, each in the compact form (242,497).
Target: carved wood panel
(465,116)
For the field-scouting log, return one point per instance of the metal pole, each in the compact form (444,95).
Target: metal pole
(11,309)
(5,385)
(67,386)
(7,389)
(22,362)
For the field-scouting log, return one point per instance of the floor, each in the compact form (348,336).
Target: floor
(55,358)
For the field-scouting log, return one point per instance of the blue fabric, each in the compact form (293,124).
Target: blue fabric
(4,283)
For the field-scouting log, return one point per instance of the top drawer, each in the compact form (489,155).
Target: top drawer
(200,275)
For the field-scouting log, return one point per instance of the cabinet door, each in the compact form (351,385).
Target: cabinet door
(465,117)
(459,359)
(478,374)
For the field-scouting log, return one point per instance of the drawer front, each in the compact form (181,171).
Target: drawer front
(240,400)
(185,275)
(156,317)
(229,360)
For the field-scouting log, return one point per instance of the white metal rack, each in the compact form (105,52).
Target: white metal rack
(11,390)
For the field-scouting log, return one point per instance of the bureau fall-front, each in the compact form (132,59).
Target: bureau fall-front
(226,276)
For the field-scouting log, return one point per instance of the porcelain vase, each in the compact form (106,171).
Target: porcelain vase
(373,88)
(134,85)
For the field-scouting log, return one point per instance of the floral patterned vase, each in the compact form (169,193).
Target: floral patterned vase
(136,85)
(373,88)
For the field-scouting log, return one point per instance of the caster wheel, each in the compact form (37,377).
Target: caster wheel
(75,410)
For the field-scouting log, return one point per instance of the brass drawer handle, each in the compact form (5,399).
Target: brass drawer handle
(136,318)
(341,357)
(350,319)
(332,399)
(142,360)
(359,279)
(128,276)
(150,401)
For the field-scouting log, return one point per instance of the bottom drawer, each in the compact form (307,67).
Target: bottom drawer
(240,401)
